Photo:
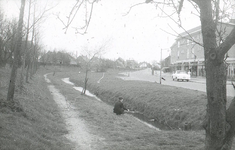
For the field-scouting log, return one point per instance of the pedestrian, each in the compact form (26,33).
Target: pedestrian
(119,107)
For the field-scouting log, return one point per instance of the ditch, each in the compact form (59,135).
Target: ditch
(152,123)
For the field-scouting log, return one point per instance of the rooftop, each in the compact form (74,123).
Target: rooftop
(198,29)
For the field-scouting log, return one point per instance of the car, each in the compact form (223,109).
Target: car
(181,75)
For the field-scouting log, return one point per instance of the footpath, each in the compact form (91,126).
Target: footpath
(203,80)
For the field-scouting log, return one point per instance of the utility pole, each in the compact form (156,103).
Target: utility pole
(161,65)
(161,68)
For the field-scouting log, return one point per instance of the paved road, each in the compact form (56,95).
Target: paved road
(194,83)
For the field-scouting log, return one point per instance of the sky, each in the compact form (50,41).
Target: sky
(140,35)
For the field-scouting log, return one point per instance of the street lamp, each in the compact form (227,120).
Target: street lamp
(161,65)
(161,68)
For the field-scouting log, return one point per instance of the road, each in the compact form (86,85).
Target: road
(194,84)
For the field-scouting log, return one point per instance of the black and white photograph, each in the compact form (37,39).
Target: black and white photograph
(117,75)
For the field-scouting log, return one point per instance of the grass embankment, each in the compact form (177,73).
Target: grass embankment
(175,107)
(178,108)
(123,132)
(34,122)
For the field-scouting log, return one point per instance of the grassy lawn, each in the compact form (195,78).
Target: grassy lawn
(35,121)
(170,105)
(123,132)
(178,108)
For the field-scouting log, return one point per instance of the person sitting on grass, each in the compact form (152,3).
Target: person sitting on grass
(119,107)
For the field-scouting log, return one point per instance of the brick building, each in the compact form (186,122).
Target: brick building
(187,55)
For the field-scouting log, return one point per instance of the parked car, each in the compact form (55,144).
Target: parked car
(181,75)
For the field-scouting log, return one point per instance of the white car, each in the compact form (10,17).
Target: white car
(181,75)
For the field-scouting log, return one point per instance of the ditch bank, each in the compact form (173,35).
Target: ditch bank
(173,119)
(140,117)
(78,133)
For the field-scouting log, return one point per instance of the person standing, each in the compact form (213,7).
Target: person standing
(119,107)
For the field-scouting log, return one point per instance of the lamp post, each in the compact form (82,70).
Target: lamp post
(161,68)
(161,65)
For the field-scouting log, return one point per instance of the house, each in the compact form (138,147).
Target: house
(189,56)
(132,64)
(81,60)
(166,64)
(143,65)
(72,60)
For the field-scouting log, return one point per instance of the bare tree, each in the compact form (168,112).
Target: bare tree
(25,48)
(88,6)
(29,50)
(220,122)
(89,61)
(35,54)
(7,37)
(11,88)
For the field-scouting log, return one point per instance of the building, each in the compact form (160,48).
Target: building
(189,56)
(132,64)
(143,65)
(166,63)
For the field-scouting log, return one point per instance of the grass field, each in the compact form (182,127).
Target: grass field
(178,108)
(122,132)
(35,121)
(175,107)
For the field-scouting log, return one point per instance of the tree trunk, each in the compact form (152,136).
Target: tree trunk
(27,72)
(216,124)
(26,51)
(216,107)
(11,88)
(85,82)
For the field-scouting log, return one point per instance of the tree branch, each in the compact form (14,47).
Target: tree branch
(87,21)
(197,1)
(69,22)
(227,44)
(169,33)
(133,7)
(191,38)
(217,8)
(73,14)
(195,7)
(41,16)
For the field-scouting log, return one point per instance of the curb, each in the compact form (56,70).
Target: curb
(204,82)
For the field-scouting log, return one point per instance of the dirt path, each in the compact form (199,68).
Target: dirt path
(91,123)
(78,132)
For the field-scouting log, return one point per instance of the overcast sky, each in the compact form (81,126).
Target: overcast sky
(140,35)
